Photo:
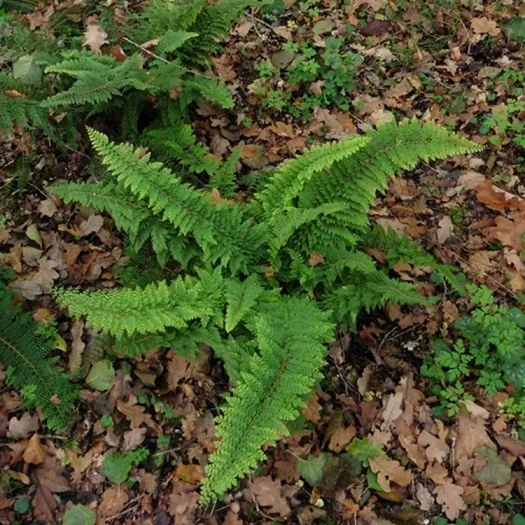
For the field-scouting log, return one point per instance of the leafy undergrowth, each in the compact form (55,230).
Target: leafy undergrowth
(379,443)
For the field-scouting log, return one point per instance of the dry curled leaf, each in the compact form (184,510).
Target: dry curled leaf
(95,37)
(34,452)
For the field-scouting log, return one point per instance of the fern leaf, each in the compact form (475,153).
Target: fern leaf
(24,354)
(241,298)
(281,374)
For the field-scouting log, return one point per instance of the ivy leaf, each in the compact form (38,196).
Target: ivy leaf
(80,515)
(516,30)
(100,376)
(518,520)
(27,70)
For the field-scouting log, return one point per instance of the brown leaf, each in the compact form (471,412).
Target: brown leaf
(362,382)
(315,259)
(341,437)
(484,26)
(471,434)
(426,501)
(118,53)
(376,28)
(389,470)
(95,37)
(114,500)
(23,427)
(515,447)
(495,198)
(510,232)
(312,410)
(267,493)
(232,519)
(148,482)
(49,474)
(79,464)
(77,346)
(34,452)
(476,410)
(189,473)
(134,437)
(135,413)
(44,505)
(182,506)
(445,229)
(449,497)
(435,450)
(437,473)
(392,409)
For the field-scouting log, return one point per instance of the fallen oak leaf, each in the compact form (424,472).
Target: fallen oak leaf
(497,199)
(449,497)
(389,470)
(267,493)
(95,37)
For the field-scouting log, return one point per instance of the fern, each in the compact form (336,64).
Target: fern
(281,375)
(25,355)
(271,308)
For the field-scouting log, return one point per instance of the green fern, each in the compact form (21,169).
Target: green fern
(281,375)
(25,355)
(271,342)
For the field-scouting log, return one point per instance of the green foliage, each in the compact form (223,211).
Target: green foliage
(263,282)
(118,466)
(490,349)
(332,69)
(24,353)
(54,73)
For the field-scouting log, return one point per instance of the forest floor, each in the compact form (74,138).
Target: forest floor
(460,63)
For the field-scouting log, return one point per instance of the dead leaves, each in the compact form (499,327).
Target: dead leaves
(388,471)
(269,493)
(471,435)
(449,497)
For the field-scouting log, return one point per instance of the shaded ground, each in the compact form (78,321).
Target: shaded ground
(363,64)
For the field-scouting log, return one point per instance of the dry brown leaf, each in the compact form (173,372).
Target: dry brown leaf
(148,482)
(182,506)
(77,346)
(471,435)
(510,232)
(135,414)
(23,427)
(189,473)
(475,410)
(445,229)
(484,26)
(267,493)
(515,447)
(392,409)
(134,437)
(312,410)
(50,474)
(44,505)
(232,519)
(435,449)
(341,437)
(34,452)
(113,501)
(495,198)
(79,464)
(388,471)
(362,382)
(426,501)
(95,37)
(449,497)
(437,473)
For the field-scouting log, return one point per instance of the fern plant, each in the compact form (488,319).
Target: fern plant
(161,78)
(24,353)
(265,282)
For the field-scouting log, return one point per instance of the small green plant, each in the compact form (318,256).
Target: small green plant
(490,350)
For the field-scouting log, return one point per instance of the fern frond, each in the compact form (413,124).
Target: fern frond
(241,298)
(288,181)
(281,374)
(149,310)
(25,356)
(173,39)
(357,178)
(221,231)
